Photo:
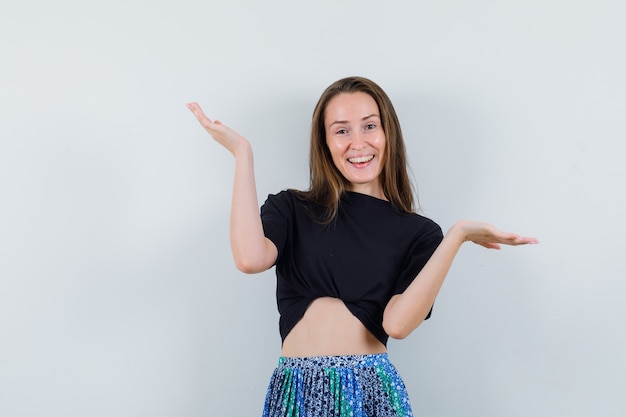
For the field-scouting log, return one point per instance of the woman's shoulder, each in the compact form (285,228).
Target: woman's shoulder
(414,222)
(290,199)
(288,195)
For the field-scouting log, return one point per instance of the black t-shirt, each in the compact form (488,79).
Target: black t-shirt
(368,253)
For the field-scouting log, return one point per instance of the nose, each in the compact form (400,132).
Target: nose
(358,141)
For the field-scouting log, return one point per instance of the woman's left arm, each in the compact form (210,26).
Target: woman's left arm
(406,311)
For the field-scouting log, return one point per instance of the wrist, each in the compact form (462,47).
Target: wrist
(242,150)
(457,233)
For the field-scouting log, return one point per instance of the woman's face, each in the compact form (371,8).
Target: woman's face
(356,140)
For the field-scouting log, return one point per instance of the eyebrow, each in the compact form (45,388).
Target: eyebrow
(346,121)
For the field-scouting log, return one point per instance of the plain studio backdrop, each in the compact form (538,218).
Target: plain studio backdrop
(118,293)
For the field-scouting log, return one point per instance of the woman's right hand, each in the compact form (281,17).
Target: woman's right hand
(222,134)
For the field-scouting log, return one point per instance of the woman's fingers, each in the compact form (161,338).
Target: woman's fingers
(224,135)
(197,111)
(526,240)
(492,238)
(496,244)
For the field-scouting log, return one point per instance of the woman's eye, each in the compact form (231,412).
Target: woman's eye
(370,126)
(342,131)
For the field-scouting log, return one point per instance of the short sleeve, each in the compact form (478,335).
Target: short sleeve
(421,252)
(276,216)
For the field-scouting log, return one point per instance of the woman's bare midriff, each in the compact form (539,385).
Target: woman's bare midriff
(328,328)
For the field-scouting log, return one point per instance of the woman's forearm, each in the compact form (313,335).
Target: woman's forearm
(406,311)
(252,251)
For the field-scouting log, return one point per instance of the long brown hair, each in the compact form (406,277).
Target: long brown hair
(327,185)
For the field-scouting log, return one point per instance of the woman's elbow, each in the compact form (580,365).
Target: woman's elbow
(396,330)
(256,259)
(250,266)
(253,263)
(399,328)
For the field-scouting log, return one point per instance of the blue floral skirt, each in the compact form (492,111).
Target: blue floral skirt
(336,386)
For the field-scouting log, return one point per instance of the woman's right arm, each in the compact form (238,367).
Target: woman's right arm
(252,251)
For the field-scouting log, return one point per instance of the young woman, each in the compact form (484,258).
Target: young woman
(355,264)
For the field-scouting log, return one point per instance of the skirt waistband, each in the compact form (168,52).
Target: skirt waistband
(344,361)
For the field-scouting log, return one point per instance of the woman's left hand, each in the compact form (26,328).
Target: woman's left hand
(487,235)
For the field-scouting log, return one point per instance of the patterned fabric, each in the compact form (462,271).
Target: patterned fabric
(337,386)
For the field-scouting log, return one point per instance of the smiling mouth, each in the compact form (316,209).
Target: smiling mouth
(360,159)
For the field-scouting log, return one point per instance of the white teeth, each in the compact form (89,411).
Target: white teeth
(361,159)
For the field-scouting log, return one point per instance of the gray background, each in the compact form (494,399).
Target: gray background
(118,295)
